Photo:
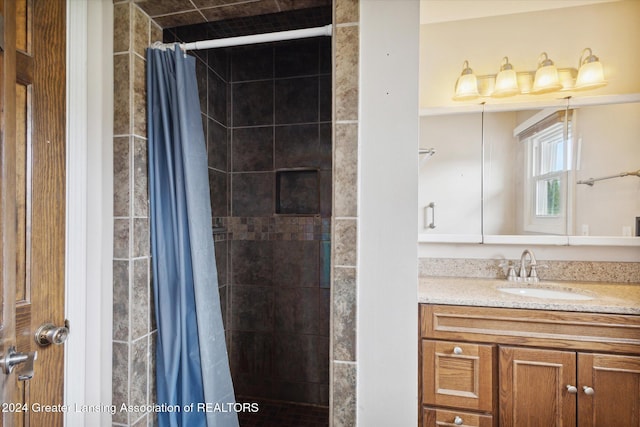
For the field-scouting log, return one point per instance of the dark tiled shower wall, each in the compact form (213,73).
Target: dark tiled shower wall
(279,278)
(267,108)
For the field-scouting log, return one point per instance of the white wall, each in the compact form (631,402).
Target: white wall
(609,143)
(387,344)
(503,175)
(89,209)
(611,30)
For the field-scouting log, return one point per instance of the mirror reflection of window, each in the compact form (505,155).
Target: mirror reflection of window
(547,146)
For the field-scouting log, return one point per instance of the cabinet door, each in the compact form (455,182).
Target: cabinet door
(533,387)
(613,396)
(459,375)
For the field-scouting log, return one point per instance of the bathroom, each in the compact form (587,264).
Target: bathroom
(373,306)
(267,111)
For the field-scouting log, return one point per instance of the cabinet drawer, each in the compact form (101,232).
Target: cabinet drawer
(458,374)
(434,417)
(611,333)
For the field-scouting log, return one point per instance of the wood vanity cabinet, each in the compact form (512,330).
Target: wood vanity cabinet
(505,367)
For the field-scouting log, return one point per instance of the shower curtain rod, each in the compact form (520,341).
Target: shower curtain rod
(254,39)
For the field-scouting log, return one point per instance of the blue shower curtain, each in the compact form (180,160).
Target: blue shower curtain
(192,366)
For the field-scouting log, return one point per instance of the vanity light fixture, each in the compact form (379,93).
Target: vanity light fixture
(547,78)
(467,84)
(506,81)
(590,72)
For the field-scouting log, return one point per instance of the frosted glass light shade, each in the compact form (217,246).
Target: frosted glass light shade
(591,72)
(506,81)
(506,84)
(547,78)
(590,76)
(467,85)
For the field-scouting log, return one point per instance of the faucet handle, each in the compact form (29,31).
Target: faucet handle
(511,275)
(533,274)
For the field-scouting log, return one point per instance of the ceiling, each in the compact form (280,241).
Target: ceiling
(432,11)
(178,13)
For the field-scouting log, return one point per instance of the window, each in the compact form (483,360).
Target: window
(547,152)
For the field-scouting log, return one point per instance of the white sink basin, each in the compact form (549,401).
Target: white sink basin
(545,292)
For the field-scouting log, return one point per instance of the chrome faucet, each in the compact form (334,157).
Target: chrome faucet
(533,275)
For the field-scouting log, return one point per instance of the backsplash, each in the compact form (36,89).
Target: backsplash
(590,271)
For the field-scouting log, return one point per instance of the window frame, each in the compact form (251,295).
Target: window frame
(533,222)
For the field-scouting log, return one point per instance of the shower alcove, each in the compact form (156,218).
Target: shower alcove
(266,112)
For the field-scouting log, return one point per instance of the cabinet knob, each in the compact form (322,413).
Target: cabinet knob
(458,421)
(588,390)
(572,389)
(457,350)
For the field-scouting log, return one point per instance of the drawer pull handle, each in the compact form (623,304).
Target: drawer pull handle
(572,389)
(588,390)
(458,421)
(457,350)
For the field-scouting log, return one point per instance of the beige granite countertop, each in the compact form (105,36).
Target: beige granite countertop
(619,298)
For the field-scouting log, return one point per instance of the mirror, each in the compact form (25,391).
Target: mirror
(450,193)
(530,173)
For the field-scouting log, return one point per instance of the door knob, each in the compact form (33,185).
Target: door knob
(13,358)
(458,421)
(588,390)
(50,334)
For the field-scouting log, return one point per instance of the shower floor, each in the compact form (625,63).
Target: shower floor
(283,414)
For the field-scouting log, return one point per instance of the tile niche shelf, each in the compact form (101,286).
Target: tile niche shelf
(297,192)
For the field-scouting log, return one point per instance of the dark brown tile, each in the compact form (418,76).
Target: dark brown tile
(252,103)
(300,358)
(217,146)
(237,10)
(297,310)
(283,414)
(202,73)
(253,308)
(296,263)
(163,7)
(252,149)
(252,194)
(252,355)
(251,63)
(297,146)
(217,98)
(296,100)
(179,19)
(299,58)
(218,193)
(252,263)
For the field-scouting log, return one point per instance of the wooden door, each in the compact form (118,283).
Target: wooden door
(33,203)
(533,388)
(612,393)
